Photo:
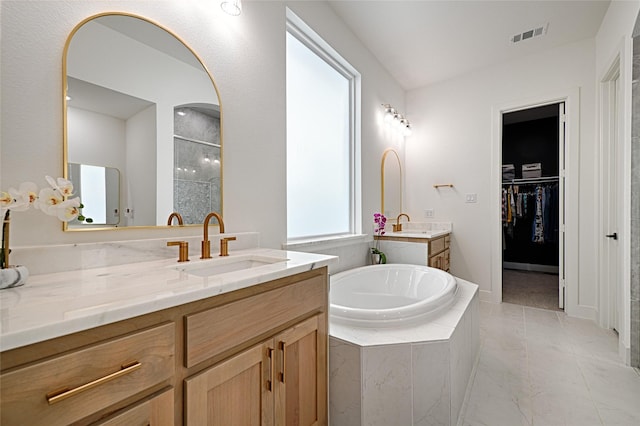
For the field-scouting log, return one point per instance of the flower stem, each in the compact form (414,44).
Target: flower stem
(4,251)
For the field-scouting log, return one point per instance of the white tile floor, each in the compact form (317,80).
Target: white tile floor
(540,367)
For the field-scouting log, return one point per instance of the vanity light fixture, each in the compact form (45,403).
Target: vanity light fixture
(399,121)
(182,113)
(68,98)
(206,158)
(389,112)
(232,7)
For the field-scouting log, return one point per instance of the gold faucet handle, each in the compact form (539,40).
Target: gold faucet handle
(183,253)
(224,245)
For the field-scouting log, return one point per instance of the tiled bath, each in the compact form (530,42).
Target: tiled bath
(416,375)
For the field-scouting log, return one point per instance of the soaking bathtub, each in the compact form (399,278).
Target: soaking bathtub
(389,295)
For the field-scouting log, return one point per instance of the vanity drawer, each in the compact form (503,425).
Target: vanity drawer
(156,411)
(219,329)
(436,246)
(447,241)
(70,387)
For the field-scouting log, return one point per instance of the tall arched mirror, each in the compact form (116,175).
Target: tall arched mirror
(139,101)
(391,183)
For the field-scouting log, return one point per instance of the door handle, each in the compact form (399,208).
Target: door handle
(614,236)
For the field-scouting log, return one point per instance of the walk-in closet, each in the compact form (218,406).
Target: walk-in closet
(532,141)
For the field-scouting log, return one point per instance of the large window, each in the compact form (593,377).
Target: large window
(322,150)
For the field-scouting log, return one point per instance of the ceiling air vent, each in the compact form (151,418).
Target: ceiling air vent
(536,32)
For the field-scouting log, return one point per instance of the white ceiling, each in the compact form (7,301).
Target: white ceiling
(424,41)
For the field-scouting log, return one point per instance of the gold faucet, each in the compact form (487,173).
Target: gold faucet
(224,245)
(177,216)
(183,254)
(397,227)
(206,244)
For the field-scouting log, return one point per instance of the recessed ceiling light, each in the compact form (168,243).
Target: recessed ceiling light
(182,113)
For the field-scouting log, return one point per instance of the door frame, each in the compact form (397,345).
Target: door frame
(571,99)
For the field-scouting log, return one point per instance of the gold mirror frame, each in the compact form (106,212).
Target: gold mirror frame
(382,178)
(65,148)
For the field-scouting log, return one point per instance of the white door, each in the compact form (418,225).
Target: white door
(611,278)
(561,179)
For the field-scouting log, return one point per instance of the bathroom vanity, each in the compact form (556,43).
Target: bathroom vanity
(421,245)
(154,343)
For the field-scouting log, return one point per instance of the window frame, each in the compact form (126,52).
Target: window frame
(297,28)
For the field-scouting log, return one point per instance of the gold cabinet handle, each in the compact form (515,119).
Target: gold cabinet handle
(270,375)
(284,362)
(59,395)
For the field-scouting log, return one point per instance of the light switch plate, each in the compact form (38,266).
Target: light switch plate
(471,198)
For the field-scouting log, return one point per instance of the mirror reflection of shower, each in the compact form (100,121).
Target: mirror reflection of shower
(196,159)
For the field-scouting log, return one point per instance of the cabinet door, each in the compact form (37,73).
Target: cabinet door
(301,385)
(437,261)
(236,392)
(157,411)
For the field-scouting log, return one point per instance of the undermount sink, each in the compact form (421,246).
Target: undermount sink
(208,268)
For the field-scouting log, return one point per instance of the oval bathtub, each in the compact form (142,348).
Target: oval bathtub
(389,295)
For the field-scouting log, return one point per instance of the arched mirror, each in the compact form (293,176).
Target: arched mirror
(391,183)
(137,100)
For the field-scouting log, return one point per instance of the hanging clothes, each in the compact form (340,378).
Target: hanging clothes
(538,221)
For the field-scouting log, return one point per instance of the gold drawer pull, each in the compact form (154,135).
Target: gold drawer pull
(271,368)
(284,361)
(59,395)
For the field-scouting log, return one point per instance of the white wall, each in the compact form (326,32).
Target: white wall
(245,55)
(452,143)
(98,140)
(142,204)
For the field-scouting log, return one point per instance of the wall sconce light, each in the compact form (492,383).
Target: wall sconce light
(399,121)
(389,112)
(232,7)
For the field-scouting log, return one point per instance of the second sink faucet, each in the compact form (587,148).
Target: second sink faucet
(206,244)
(398,226)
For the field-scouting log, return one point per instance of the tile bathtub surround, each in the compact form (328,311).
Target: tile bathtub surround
(417,375)
(540,367)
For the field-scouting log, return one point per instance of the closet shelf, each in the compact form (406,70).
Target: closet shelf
(533,180)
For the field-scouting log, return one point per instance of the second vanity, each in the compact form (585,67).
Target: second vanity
(419,243)
(161,343)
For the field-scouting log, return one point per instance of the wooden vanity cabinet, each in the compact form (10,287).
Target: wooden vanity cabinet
(255,356)
(440,253)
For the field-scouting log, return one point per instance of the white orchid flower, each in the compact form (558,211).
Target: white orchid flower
(5,200)
(49,200)
(23,197)
(62,185)
(68,210)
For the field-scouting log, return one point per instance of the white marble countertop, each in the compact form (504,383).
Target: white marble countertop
(414,233)
(56,304)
